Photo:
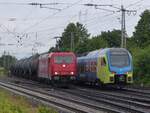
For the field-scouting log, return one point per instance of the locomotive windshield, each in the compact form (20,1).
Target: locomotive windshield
(119,58)
(63,59)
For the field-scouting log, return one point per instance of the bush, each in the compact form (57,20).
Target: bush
(43,109)
(7,106)
(141,59)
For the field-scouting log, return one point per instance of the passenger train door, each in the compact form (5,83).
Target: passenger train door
(102,69)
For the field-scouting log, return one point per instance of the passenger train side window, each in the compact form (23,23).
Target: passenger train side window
(82,68)
(103,62)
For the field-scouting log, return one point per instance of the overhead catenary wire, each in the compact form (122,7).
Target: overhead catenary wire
(123,25)
(12,3)
(60,3)
(135,3)
(100,22)
(7,30)
(98,19)
(104,5)
(100,7)
(108,10)
(50,8)
(33,3)
(40,4)
(52,29)
(43,20)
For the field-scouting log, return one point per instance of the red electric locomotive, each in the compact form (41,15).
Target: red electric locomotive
(58,66)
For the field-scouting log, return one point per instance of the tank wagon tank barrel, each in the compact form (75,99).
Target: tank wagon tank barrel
(26,67)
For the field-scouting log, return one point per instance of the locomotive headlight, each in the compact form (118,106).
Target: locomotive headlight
(63,65)
(56,73)
(72,73)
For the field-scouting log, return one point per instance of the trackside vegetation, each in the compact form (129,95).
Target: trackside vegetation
(10,103)
(141,60)
(138,44)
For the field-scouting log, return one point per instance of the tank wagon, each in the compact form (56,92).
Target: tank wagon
(26,68)
(110,66)
(56,67)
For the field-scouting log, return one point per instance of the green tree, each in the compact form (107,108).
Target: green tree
(6,61)
(131,44)
(82,46)
(113,38)
(141,64)
(76,31)
(142,30)
(97,42)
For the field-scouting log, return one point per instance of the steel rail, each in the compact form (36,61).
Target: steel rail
(59,102)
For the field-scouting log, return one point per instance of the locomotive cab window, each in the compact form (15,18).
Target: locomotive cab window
(63,59)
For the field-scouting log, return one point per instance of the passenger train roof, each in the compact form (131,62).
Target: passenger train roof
(101,52)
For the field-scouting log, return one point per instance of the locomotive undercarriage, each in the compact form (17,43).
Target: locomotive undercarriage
(62,81)
(120,79)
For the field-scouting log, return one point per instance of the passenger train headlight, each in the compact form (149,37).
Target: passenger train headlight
(113,72)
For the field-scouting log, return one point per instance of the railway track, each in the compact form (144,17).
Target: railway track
(120,94)
(100,101)
(67,105)
(128,91)
(144,92)
(115,100)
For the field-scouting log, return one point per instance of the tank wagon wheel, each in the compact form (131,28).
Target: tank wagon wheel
(39,80)
(29,74)
(47,81)
(18,73)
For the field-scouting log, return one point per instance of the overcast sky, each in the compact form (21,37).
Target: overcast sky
(25,29)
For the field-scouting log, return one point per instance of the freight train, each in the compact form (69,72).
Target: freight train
(58,67)
(110,66)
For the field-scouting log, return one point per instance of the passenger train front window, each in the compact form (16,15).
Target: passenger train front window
(119,60)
